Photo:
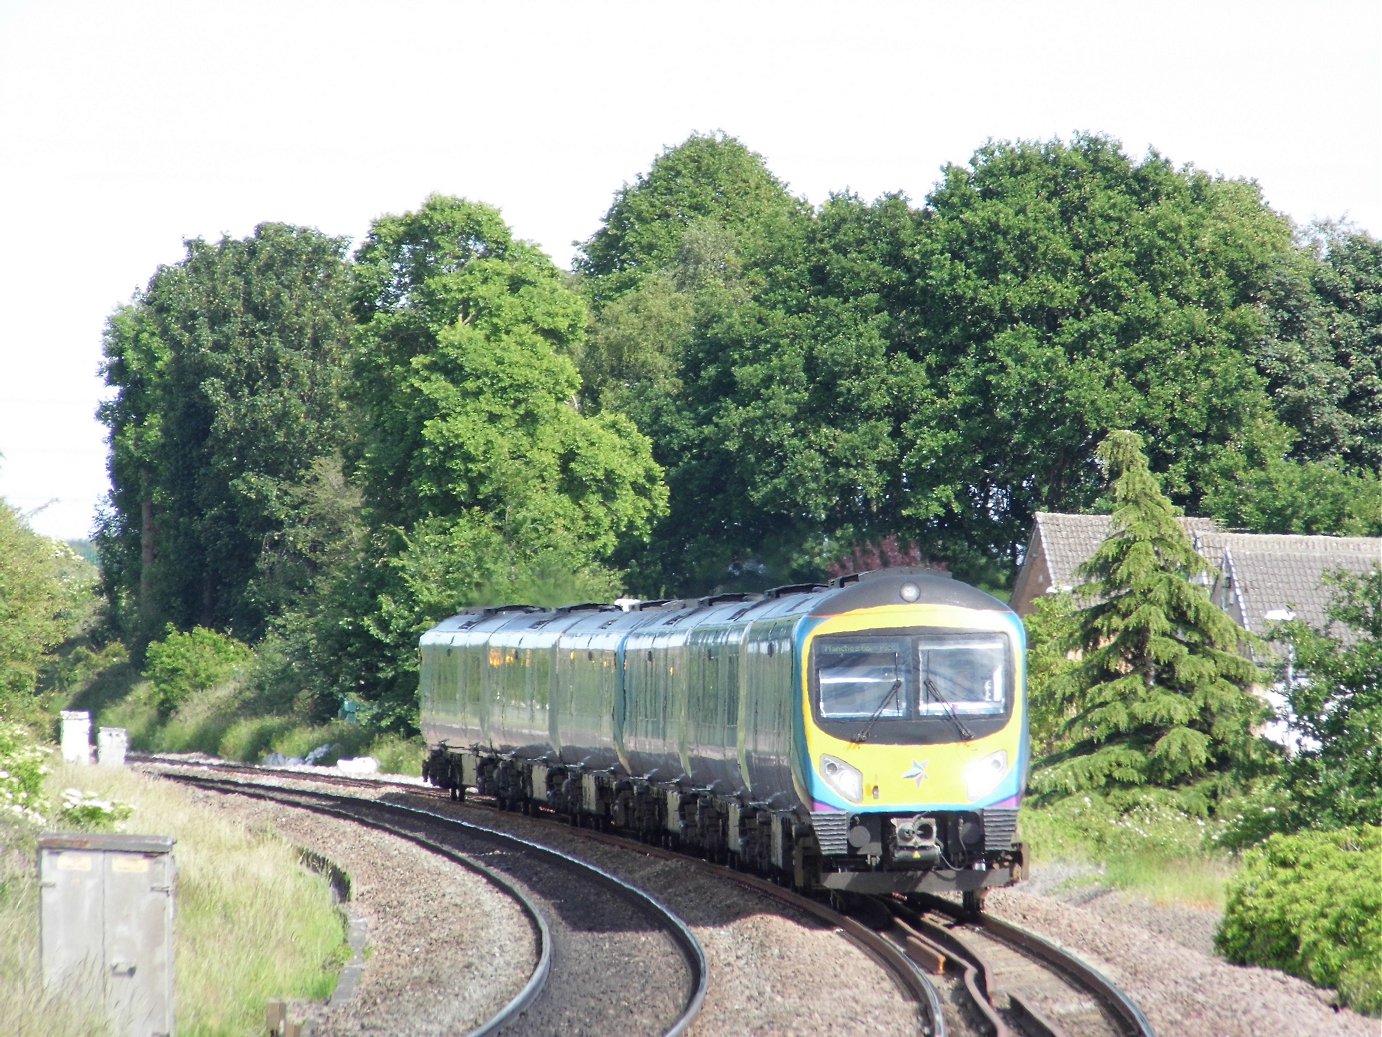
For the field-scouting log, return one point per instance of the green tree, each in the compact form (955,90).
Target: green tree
(1305,497)
(1350,283)
(708,181)
(229,371)
(181,664)
(1161,695)
(681,251)
(779,419)
(44,590)
(477,465)
(1334,779)
(802,394)
(1321,350)
(1052,672)
(1064,290)
(466,380)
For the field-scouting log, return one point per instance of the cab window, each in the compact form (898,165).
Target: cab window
(860,678)
(963,672)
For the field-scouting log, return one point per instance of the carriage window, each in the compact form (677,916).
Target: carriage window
(860,677)
(965,672)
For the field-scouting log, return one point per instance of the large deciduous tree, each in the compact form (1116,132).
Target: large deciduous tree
(680,252)
(467,384)
(1161,695)
(1067,291)
(478,469)
(709,180)
(228,372)
(942,373)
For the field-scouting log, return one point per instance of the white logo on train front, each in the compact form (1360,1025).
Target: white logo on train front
(917,772)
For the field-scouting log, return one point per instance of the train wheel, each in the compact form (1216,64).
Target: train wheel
(973,901)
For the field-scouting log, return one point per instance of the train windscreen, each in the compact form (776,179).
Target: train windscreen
(913,677)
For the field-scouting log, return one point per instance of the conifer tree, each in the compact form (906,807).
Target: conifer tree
(1161,695)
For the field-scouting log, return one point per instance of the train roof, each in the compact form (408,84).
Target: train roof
(903,585)
(892,586)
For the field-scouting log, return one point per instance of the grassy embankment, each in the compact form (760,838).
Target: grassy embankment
(1152,851)
(252,923)
(232,719)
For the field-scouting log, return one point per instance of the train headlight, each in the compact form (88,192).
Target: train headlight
(984,774)
(843,778)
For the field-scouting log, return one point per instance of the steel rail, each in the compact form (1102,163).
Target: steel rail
(887,954)
(1123,1007)
(685,939)
(894,960)
(974,972)
(690,945)
(531,990)
(1115,1001)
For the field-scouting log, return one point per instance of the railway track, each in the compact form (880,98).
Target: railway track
(1015,981)
(1005,981)
(583,918)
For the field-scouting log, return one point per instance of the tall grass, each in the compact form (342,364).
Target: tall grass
(1150,848)
(251,922)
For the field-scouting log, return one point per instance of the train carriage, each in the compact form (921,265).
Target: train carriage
(869,735)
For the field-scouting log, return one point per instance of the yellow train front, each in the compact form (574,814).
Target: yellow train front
(867,736)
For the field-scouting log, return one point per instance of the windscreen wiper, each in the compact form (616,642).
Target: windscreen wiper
(960,726)
(864,733)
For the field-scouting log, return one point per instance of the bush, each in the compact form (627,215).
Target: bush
(91,813)
(1311,905)
(21,775)
(184,663)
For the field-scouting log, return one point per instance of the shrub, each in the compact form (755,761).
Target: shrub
(184,663)
(21,774)
(90,812)
(1311,905)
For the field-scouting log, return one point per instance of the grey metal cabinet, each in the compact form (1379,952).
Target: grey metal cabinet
(106,918)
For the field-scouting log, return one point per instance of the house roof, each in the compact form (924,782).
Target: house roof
(1068,541)
(1257,573)
(1269,572)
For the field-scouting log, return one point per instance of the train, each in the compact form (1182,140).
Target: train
(867,735)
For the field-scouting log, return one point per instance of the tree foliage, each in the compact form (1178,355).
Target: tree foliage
(181,664)
(1161,695)
(335,452)
(1070,291)
(1334,779)
(228,373)
(1303,497)
(1311,905)
(708,182)
(44,590)
(817,379)
(475,462)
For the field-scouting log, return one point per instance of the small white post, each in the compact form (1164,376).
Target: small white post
(76,736)
(111,743)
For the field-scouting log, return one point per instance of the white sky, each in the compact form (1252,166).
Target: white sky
(128,126)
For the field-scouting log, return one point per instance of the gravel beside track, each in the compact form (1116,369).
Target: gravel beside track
(772,971)
(432,935)
(1163,958)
